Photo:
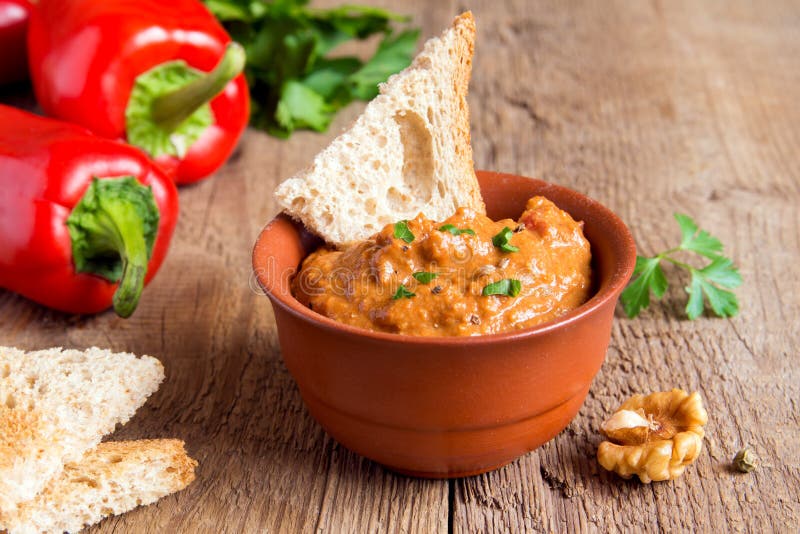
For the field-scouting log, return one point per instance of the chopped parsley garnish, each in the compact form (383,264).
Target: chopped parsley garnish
(424,277)
(507,286)
(712,281)
(502,240)
(401,231)
(403,293)
(453,229)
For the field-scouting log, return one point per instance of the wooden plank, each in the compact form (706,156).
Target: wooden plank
(649,107)
(654,108)
(265,465)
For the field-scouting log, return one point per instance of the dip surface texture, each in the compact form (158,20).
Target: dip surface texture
(369,284)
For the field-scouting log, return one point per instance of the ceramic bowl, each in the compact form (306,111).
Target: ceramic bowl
(449,406)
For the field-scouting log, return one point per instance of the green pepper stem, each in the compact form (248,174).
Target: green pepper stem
(171,109)
(123,229)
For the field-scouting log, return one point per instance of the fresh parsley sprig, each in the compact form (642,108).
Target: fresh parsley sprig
(296,79)
(713,281)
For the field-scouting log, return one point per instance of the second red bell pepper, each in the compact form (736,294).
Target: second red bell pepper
(163,75)
(14,15)
(85,221)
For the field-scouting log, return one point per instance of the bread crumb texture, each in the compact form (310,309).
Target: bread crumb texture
(56,404)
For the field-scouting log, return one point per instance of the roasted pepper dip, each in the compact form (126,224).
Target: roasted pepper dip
(464,276)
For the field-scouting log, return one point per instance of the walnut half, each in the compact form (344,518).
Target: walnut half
(655,436)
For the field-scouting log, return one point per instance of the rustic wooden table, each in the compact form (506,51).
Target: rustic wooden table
(649,107)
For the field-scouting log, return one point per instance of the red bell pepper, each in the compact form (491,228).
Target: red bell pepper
(14,15)
(161,74)
(85,221)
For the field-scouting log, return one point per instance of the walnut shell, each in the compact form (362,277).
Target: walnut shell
(655,436)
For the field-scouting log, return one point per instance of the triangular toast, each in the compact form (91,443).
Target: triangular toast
(408,153)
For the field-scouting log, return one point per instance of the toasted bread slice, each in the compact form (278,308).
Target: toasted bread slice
(114,478)
(408,153)
(57,404)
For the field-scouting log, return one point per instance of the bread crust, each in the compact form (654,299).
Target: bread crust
(464,25)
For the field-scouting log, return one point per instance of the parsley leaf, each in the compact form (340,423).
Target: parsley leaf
(651,278)
(295,79)
(507,286)
(697,240)
(392,56)
(302,107)
(453,229)
(403,293)
(502,240)
(711,282)
(424,277)
(401,231)
(721,271)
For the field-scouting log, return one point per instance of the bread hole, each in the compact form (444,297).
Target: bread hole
(430,116)
(440,188)
(170,469)
(417,157)
(371,206)
(115,459)
(11,402)
(327,219)
(298,203)
(106,511)
(31,380)
(85,480)
(397,200)
(424,62)
(6,372)
(382,141)
(376,165)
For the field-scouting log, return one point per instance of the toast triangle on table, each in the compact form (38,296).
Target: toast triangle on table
(56,404)
(408,153)
(114,478)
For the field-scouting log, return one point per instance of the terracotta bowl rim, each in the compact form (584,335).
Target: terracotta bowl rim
(609,289)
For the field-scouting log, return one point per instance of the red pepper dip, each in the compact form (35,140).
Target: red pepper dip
(467,275)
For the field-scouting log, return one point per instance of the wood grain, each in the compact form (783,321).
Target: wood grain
(649,107)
